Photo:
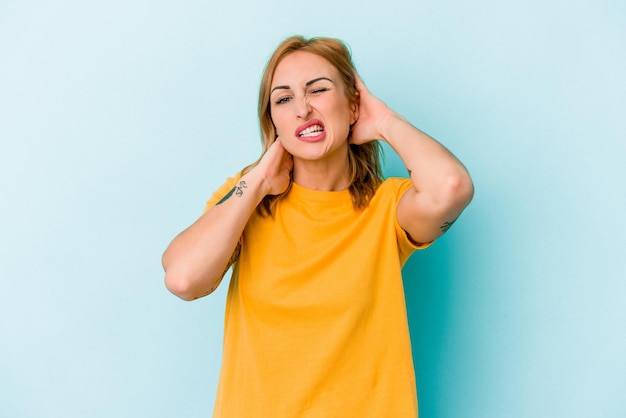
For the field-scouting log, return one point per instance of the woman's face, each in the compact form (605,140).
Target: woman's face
(309,107)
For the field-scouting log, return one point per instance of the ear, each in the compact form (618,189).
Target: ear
(354,116)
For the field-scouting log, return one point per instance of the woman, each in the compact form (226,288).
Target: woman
(316,323)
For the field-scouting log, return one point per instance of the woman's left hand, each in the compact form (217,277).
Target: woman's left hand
(373,115)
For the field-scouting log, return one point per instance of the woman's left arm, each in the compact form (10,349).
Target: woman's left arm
(442,187)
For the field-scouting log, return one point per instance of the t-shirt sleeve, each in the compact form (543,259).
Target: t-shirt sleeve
(221,192)
(406,245)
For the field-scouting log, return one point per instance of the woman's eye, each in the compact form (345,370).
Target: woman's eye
(282,100)
(319,90)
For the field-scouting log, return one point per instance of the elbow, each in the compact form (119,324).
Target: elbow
(186,282)
(457,192)
(177,281)
(179,286)
(463,188)
(185,287)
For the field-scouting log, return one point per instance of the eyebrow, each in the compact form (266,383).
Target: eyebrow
(307,84)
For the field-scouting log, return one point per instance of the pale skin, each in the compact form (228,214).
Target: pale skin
(442,187)
(308,88)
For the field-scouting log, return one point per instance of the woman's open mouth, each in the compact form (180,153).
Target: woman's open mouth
(311,131)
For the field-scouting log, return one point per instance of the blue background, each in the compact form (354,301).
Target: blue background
(119,118)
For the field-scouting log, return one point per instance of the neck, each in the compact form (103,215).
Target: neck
(322,175)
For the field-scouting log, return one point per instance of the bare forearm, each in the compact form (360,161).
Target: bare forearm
(430,165)
(197,258)
(442,187)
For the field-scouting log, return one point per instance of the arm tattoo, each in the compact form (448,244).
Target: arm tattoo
(225,198)
(242,185)
(234,257)
(446,226)
(238,190)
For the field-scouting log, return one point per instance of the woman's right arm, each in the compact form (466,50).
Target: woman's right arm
(196,260)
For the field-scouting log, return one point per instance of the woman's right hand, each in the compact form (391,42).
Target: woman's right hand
(275,168)
(198,257)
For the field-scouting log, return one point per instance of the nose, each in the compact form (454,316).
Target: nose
(303,108)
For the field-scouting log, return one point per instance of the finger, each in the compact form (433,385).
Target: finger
(280,148)
(281,151)
(280,140)
(275,151)
(288,161)
(358,83)
(277,142)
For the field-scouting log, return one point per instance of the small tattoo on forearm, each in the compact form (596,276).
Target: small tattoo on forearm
(446,226)
(225,198)
(239,191)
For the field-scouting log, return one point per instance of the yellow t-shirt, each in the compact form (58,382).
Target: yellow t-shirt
(316,323)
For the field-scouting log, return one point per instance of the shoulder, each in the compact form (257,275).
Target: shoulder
(393,186)
(389,193)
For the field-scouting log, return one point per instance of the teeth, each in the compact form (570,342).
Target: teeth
(312,130)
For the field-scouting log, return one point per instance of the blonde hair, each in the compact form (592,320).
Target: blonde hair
(363,160)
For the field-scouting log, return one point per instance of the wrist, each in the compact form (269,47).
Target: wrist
(257,183)
(389,125)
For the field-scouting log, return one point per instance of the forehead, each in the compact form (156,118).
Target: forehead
(299,67)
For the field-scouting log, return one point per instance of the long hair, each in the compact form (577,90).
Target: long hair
(363,160)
